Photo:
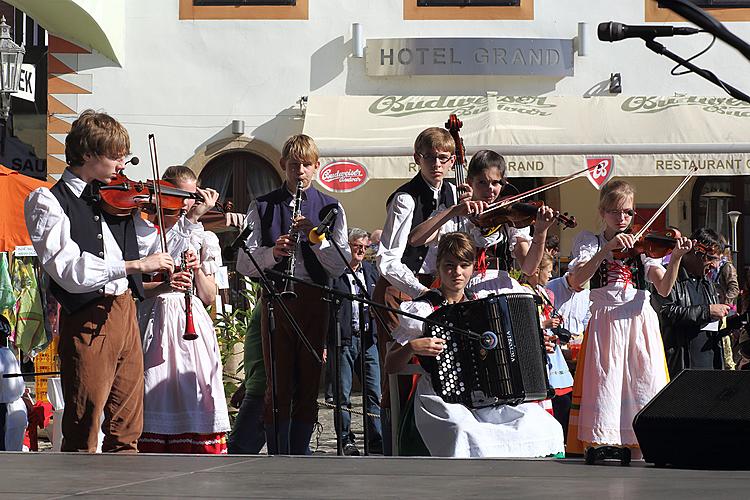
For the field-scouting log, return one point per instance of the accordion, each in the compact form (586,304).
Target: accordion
(514,371)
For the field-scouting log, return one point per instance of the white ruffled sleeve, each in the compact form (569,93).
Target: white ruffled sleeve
(515,235)
(648,263)
(410,328)
(585,246)
(209,251)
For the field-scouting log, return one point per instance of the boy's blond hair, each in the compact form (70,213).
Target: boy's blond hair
(301,148)
(97,134)
(434,138)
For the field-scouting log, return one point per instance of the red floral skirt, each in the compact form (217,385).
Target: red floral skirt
(189,442)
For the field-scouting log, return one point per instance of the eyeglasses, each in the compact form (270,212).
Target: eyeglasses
(627,213)
(358,247)
(443,159)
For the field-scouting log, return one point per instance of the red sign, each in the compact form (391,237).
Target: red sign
(342,176)
(600,170)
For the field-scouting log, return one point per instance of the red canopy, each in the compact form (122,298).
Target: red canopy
(14,188)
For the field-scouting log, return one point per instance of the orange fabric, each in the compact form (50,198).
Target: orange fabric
(14,188)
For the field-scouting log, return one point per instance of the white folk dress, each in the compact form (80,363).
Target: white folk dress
(624,365)
(453,430)
(184,390)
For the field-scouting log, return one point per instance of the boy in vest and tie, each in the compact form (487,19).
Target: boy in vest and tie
(297,370)
(96,265)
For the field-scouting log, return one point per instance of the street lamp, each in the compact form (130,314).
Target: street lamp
(734,216)
(11,58)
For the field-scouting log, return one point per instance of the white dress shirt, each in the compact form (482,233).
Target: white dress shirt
(62,258)
(327,255)
(395,237)
(573,306)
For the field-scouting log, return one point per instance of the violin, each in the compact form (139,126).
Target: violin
(121,196)
(653,244)
(518,215)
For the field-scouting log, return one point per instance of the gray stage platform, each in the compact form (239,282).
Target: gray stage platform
(52,475)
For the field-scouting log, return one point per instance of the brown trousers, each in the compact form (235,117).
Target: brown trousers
(297,371)
(101,361)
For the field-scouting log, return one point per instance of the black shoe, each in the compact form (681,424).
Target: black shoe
(350,450)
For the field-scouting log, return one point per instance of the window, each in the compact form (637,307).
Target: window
(244,2)
(243,9)
(469,9)
(468,3)
(722,3)
(721,10)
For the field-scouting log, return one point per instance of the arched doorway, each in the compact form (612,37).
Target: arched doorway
(240,177)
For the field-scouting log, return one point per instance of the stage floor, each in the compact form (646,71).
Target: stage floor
(57,475)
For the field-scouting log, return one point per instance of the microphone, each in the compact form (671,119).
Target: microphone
(133,161)
(240,240)
(318,234)
(612,32)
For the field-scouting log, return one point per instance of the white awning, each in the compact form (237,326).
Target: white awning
(92,23)
(541,136)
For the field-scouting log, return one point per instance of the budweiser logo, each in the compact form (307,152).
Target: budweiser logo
(342,176)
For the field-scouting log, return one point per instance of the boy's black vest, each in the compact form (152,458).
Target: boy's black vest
(275,218)
(86,230)
(424,204)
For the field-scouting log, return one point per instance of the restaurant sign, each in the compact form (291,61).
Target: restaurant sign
(469,56)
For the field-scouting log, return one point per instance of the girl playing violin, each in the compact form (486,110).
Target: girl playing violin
(621,365)
(185,410)
(453,430)
(487,175)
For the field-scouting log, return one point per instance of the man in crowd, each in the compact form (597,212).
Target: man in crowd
(690,314)
(357,343)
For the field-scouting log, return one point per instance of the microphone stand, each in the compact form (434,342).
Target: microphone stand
(274,297)
(333,311)
(660,49)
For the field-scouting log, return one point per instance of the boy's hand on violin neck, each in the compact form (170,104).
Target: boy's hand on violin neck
(155,263)
(465,193)
(545,216)
(682,246)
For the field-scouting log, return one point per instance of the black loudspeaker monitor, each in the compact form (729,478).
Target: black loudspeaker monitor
(700,419)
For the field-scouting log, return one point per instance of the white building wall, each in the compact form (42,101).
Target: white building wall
(185,81)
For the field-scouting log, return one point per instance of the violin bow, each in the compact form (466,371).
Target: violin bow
(531,192)
(664,205)
(157,190)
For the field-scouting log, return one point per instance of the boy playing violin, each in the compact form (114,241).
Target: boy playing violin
(96,266)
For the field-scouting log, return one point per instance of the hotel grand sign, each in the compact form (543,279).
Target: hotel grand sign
(469,56)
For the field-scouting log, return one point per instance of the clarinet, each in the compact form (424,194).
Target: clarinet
(190,333)
(294,235)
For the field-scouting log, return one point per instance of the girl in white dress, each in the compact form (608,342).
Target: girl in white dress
(621,365)
(185,410)
(453,430)
(486,176)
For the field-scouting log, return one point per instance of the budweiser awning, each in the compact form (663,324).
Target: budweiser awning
(540,136)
